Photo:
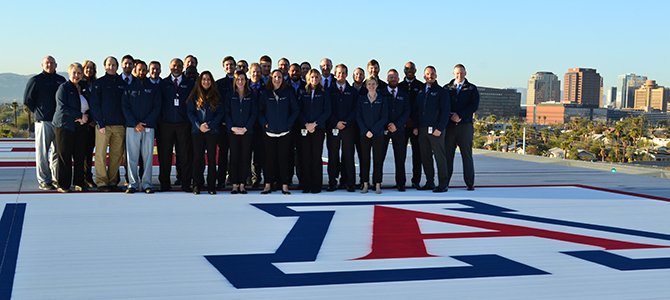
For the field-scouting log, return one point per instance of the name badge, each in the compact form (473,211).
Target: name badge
(303,132)
(336,132)
(430,130)
(176,101)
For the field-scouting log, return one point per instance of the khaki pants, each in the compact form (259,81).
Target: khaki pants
(107,174)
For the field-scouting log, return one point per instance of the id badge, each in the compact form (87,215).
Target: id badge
(176,101)
(303,132)
(430,130)
(336,132)
(386,132)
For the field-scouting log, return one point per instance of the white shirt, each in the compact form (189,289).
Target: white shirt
(392,91)
(178,79)
(84,104)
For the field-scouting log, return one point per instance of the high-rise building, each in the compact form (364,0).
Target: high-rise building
(610,97)
(582,86)
(503,103)
(651,97)
(543,87)
(625,89)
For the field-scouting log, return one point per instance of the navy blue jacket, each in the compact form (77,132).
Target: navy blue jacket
(169,112)
(372,117)
(412,89)
(68,106)
(241,113)
(224,85)
(432,109)
(314,109)
(105,100)
(279,114)
(466,102)
(399,107)
(343,105)
(301,86)
(40,93)
(212,117)
(141,103)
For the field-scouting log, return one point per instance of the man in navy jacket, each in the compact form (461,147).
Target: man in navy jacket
(40,98)
(464,102)
(174,126)
(224,85)
(412,85)
(399,111)
(107,113)
(431,114)
(341,132)
(141,107)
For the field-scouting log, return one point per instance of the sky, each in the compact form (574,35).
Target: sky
(500,42)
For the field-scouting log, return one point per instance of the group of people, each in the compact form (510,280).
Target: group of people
(255,123)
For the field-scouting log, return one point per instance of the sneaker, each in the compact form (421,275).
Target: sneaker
(46,186)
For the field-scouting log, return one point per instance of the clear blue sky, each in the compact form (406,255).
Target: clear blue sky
(501,42)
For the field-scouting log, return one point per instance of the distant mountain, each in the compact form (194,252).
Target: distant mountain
(13,85)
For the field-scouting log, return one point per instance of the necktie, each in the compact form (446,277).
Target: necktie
(325,82)
(341,89)
(128,80)
(176,83)
(393,92)
(458,88)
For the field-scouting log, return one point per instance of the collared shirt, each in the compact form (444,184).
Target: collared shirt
(179,79)
(341,87)
(330,81)
(128,79)
(155,81)
(392,91)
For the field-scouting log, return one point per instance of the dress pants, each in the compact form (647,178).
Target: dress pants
(223,144)
(277,150)
(399,140)
(204,142)
(107,172)
(177,135)
(311,147)
(89,146)
(341,156)
(460,135)
(258,155)
(376,144)
(71,147)
(240,157)
(46,157)
(416,156)
(433,146)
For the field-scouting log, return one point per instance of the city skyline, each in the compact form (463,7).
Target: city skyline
(501,44)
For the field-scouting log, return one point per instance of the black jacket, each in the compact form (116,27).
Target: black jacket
(68,106)
(466,102)
(40,94)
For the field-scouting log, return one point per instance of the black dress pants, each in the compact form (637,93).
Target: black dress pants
(177,135)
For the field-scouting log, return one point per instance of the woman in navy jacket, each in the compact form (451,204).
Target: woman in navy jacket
(205,112)
(315,109)
(372,116)
(70,121)
(241,114)
(278,111)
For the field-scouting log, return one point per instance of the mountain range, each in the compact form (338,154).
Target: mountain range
(13,85)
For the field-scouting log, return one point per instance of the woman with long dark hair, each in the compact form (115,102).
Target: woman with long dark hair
(241,114)
(278,111)
(205,112)
(315,109)
(70,121)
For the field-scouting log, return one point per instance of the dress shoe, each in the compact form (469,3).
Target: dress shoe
(439,190)
(234,192)
(188,189)
(316,190)
(131,190)
(196,191)
(351,189)
(46,186)
(265,192)
(416,186)
(148,191)
(212,192)
(470,188)
(401,188)
(331,188)
(243,192)
(427,187)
